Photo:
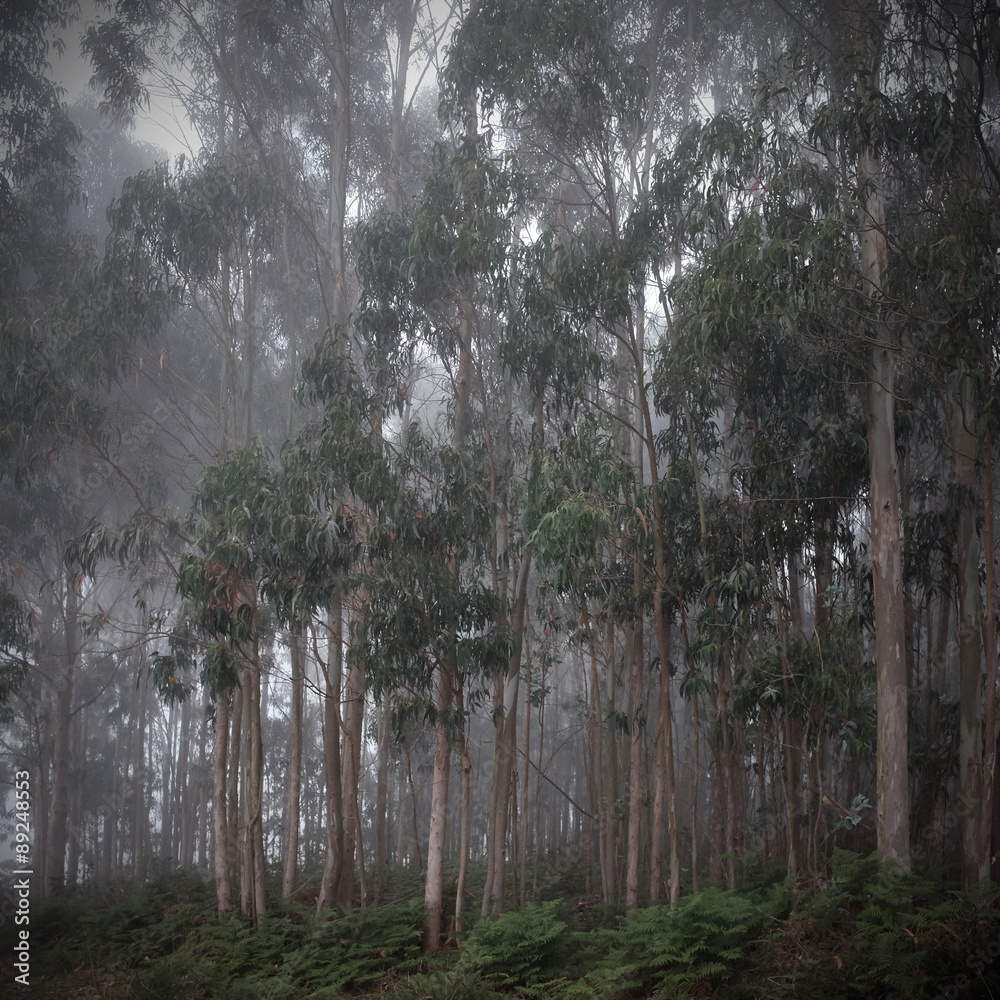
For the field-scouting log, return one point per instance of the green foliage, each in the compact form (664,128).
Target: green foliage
(871,932)
(668,951)
(15,631)
(574,504)
(519,948)
(877,931)
(556,58)
(359,949)
(460,982)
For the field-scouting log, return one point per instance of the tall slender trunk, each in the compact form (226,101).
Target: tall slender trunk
(976,706)
(220,825)
(233,784)
(890,638)
(506,746)
(987,820)
(434,889)
(448,676)
(637,726)
(382,803)
(893,822)
(140,833)
(294,788)
(790,773)
(350,768)
(203,792)
(970,634)
(78,780)
(466,826)
(405,16)
(662,635)
(168,763)
(55,842)
(253,863)
(525,755)
(331,757)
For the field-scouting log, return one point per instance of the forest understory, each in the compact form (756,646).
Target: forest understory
(868,932)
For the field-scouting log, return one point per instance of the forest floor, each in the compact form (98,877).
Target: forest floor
(867,932)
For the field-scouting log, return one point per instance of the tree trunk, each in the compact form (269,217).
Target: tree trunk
(353,723)
(505,748)
(636,728)
(140,838)
(987,813)
(294,789)
(466,830)
(331,758)
(893,820)
(890,638)
(252,873)
(220,797)
(55,842)
(970,634)
(434,890)
(382,803)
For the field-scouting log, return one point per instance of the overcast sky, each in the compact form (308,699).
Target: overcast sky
(162,124)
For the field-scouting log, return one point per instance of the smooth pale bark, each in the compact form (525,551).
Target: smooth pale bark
(636,696)
(331,757)
(726,759)
(187,790)
(612,774)
(662,644)
(233,784)
(203,790)
(338,875)
(76,830)
(253,869)
(339,142)
(637,726)
(245,844)
(350,763)
(434,887)
(56,834)
(168,764)
(525,755)
(597,771)
(382,803)
(890,639)
(466,824)
(293,793)
(505,748)
(893,807)
(790,771)
(448,678)
(405,14)
(140,835)
(220,825)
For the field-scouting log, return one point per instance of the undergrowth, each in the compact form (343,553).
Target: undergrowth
(871,932)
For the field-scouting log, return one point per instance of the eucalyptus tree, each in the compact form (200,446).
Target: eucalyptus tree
(436,277)
(70,321)
(799,255)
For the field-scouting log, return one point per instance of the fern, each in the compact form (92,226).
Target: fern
(668,951)
(519,948)
(357,949)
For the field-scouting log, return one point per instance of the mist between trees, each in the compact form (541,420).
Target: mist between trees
(555,435)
